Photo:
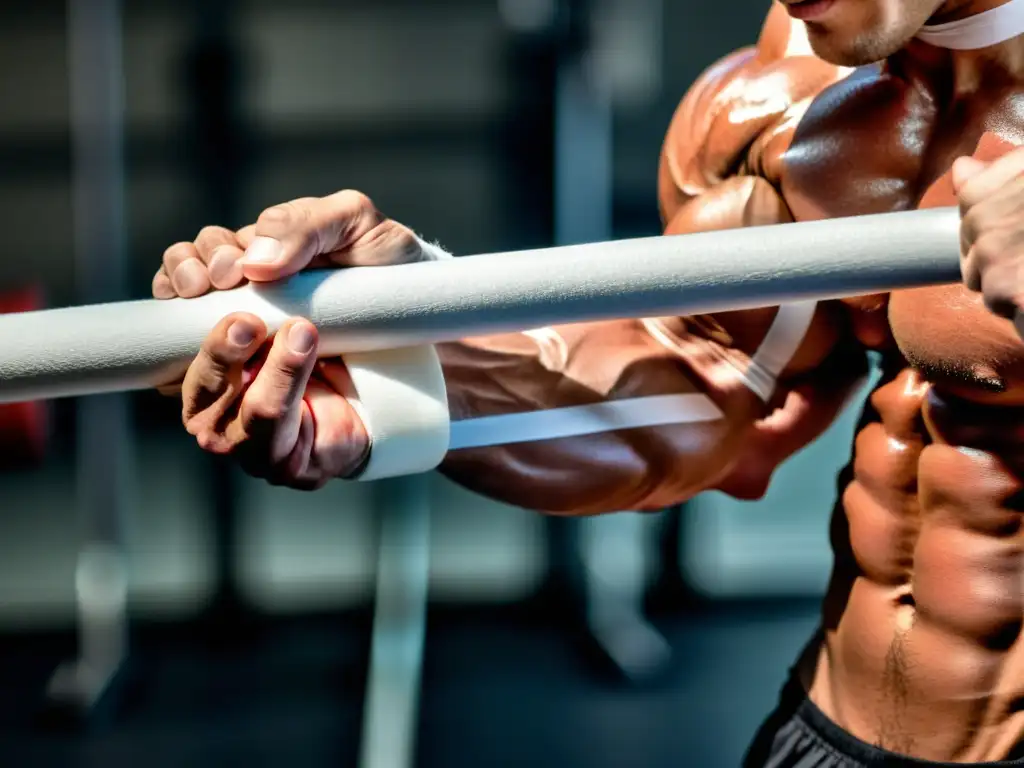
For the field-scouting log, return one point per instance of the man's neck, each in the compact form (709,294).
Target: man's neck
(982,40)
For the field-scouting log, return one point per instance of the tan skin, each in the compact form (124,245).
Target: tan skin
(922,652)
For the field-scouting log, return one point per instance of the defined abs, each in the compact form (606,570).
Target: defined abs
(925,657)
(968,577)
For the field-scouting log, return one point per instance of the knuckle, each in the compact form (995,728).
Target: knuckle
(210,232)
(209,441)
(210,237)
(191,423)
(283,216)
(356,201)
(406,245)
(968,197)
(162,287)
(178,253)
(275,216)
(390,242)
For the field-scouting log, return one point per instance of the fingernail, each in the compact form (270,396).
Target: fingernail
(188,277)
(301,338)
(263,250)
(222,264)
(240,334)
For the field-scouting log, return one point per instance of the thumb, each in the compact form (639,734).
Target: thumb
(270,258)
(965,169)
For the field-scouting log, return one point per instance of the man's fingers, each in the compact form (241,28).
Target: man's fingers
(214,380)
(162,287)
(177,254)
(964,169)
(270,416)
(220,251)
(186,270)
(343,228)
(225,267)
(245,236)
(289,236)
(210,239)
(192,269)
(979,184)
(296,470)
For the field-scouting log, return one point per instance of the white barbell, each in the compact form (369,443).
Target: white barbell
(87,350)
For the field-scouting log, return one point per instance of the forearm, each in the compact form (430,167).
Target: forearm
(581,365)
(775,396)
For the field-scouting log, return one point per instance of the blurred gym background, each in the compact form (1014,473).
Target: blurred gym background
(157,607)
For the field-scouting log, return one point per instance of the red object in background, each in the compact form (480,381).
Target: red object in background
(24,427)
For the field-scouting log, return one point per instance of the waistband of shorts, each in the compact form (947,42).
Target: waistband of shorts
(849,746)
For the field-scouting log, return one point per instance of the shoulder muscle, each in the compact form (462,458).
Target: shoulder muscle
(733,104)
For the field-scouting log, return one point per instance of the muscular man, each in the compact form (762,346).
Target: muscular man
(843,107)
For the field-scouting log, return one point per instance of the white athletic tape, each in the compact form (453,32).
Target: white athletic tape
(784,337)
(433,251)
(576,421)
(403,403)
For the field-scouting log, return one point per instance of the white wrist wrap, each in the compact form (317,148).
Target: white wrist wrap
(433,251)
(403,403)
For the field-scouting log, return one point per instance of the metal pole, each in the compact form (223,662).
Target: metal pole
(104,468)
(222,153)
(391,710)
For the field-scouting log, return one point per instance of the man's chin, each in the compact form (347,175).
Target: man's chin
(843,54)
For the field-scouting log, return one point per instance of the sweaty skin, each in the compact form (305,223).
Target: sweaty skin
(922,651)
(702,188)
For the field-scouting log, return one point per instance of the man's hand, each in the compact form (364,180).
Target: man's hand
(270,402)
(992,229)
(343,230)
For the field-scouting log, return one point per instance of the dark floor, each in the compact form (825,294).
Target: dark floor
(501,688)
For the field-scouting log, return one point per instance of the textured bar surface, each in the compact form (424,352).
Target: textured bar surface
(135,345)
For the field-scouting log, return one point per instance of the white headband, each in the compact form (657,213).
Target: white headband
(979,31)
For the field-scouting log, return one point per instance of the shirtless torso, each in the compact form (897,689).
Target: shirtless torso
(922,651)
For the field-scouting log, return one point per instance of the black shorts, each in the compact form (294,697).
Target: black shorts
(799,735)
